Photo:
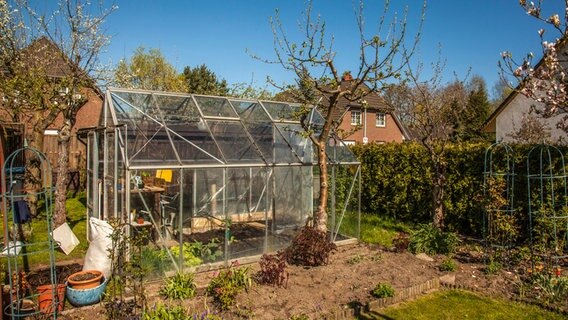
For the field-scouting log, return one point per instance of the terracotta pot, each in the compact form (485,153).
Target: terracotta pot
(140,220)
(46,294)
(76,282)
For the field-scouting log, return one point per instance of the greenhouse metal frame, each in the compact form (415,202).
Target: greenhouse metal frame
(241,174)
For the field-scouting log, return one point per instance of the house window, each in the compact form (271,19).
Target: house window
(355,117)
(381,120)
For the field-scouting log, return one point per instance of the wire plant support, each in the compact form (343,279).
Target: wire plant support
(500,221)
(548,211)
(26,175)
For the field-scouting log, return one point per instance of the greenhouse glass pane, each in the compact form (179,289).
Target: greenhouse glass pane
(215,107)
(148,144)
(339,152)
(233,141)
(281,111)
(258,124)
(130,103)
(184,112)
(291,134)
(194,143)
(250,111)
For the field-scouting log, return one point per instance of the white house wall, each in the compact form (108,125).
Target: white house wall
(510,120)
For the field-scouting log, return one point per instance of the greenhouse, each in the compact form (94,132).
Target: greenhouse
(227,178)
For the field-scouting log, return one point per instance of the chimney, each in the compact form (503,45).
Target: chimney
(347,76)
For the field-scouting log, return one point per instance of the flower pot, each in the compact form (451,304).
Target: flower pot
(46,293)
(21,309)
(85,279)
(85,297)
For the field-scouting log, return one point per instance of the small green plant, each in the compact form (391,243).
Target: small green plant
(194,253)
(383,290)
(431,240)
(229,282)
(310,247)
(401,242)
(355,259)
(164,312)
(549,287)
(493,266)
(448,264)
(180,286)
(272,270)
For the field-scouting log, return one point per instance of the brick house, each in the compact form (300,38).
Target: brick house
(14,134)
(376,123)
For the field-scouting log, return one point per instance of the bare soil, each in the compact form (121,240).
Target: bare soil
(344,283)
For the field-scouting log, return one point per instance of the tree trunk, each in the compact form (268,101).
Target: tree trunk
(320,216)
(438,189)
(32,181)
(60,214)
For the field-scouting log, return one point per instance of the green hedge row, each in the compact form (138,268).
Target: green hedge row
(396,182)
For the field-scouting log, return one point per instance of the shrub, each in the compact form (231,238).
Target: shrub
(310,247)
(272,270)
(180,286)
(431,240)
(448,264)
(383,290)
(401,242)
(493,266)
(163,312)
(227,284)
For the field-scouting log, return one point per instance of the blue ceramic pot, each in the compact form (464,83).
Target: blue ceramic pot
(85,297)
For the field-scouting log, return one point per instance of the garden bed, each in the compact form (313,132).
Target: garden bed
(341,286)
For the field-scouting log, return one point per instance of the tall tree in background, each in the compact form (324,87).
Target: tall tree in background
(476,111)
(545,82)
(201,80)
(312,62)
(435,109)
(148,70)
(48,58)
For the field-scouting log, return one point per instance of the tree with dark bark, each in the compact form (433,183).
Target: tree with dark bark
(48,59)
(318,81)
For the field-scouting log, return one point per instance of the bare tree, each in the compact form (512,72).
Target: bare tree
(318,82)
(436,109)
(48,59)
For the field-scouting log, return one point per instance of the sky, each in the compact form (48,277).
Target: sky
(222,34)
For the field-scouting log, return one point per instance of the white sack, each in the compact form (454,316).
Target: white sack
(97,257)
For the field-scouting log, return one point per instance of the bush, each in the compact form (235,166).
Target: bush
(383,290)
(180,286)
(272,270)
(431,240)
(448,264)
(310,247)
(163,312)
(228,283)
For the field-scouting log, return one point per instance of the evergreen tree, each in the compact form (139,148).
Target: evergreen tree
(201,80)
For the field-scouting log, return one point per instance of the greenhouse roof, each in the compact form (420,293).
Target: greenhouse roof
(158,129)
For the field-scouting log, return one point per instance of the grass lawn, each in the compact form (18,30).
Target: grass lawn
(374,229)
(457,304)
(76,218)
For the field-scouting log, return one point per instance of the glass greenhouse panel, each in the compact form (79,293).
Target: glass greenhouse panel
(339,152)
(215,107)
(280,111)
(293,140)
(194,144)
(257,123)
(233,141)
